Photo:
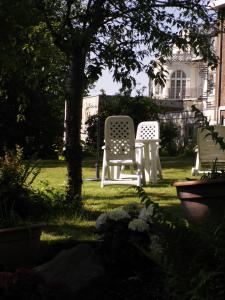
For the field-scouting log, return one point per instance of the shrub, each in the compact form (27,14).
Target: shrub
(139,108)
(169,134)
(16,178)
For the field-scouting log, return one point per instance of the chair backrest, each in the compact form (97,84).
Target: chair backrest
(119,138)
(207,149)
(148,130)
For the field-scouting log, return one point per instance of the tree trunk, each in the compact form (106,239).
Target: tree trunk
(73,127)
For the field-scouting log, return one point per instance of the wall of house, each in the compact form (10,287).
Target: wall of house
(195,80)
(90,108)
(92,105)
(199,92)
(220,77)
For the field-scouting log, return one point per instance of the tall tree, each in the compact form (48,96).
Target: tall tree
(32,71)
(123,35)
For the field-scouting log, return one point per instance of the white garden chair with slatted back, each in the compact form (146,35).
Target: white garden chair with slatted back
(150,130)
(208,151)
(119,150)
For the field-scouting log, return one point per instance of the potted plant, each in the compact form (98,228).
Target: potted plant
(205,197)
(202,198)
(19,236)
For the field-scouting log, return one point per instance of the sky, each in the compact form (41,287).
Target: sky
(111,88)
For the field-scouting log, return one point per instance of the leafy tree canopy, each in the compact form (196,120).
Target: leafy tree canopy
(129,35)
(32,76)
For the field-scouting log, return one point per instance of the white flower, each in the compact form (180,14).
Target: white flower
(101,220)
(117,215)
(132,208)
(147,214)
(138,225)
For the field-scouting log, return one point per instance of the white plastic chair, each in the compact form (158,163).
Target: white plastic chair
(207,151)
(119,150)
(149,130)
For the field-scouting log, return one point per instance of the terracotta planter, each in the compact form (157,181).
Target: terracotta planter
(19,246)
(201,198)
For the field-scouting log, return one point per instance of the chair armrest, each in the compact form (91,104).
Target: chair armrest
(139,145)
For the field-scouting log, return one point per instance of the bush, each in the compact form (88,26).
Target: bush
(138,108)
(169,134)
(19,201)
(16,178)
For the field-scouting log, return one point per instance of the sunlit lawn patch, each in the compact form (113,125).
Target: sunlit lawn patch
(97,200)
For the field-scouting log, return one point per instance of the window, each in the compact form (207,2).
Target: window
(178,85)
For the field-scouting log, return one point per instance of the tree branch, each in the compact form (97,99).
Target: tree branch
(57,37)
(66,18)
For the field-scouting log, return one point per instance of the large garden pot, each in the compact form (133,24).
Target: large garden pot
(19,246)
(201,198)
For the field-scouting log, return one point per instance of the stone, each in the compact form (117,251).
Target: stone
(77,268)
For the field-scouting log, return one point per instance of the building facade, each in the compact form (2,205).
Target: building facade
(189,82)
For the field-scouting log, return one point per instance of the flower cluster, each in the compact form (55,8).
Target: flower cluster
(137,220)
(132,227)
(146,214)
(104,220)
(117,215)
(138,225)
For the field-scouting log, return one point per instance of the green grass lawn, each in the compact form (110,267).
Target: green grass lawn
(98,200)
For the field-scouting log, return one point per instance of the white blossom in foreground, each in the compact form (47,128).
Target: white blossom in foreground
(132,208)
(138,225)
(117,215)
(147,214)
(101,220)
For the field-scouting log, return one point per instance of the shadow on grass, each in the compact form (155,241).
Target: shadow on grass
(51,163)
(92,215)
(69,230)
(162,197)
(126,192)
(88,162)
(164,183)
(108,198)
(177,161)
(71,236)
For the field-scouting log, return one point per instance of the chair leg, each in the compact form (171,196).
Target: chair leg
(139,177)
(159,168)
(140,165)
(104,168)
(195,170)
(103,176)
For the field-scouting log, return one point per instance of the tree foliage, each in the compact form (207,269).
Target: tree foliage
(121,34)
(32,76)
